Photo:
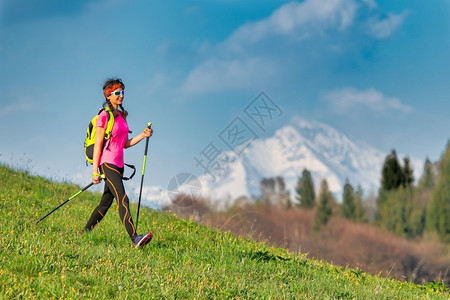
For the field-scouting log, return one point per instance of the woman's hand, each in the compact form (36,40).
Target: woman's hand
(96,178)
(148,132)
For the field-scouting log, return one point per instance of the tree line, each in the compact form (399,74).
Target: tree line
(403,207)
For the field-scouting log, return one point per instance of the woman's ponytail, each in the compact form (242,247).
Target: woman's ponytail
(123,112)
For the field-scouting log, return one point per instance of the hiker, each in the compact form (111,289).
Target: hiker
(109,162)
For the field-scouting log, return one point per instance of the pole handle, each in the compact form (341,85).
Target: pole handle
(149,126)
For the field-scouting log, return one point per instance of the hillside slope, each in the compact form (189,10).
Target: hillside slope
(184,260)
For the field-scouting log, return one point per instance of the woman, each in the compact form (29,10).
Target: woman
(109,161)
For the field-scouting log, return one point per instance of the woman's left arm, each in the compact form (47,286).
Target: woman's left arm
(133,141)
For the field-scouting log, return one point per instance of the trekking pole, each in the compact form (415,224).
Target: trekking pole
(70,198)
(149,126)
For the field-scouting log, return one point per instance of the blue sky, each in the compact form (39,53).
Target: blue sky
(376,70)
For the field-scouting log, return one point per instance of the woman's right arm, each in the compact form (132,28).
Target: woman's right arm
(99,137)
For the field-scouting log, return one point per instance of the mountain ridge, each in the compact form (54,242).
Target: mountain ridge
(326,152)
(323,150)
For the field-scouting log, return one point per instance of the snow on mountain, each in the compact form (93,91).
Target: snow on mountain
(321,149)
(324,151)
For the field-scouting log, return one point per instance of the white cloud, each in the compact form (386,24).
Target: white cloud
(312,17)
(344,99)
(153,197)
(248,57)
(299,20)
(216,74)
(385,27)
(370,3)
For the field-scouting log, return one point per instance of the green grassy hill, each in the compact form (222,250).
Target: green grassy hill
(184,259)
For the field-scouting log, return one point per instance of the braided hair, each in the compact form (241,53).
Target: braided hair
(109,86)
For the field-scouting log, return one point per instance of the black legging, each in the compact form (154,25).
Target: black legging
(113,189)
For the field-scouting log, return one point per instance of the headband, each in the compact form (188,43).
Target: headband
(108,91)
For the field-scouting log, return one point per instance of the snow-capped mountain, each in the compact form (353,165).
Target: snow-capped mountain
(324,151)
(321,149)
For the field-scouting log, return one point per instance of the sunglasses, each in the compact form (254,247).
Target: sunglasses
(117,93)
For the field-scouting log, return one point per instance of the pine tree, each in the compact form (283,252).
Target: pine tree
(392,173)
(408,173)
(438,217)
(398,208)
(360,212)
(391,178)
(398,213)
(427,181)
(325,206)
(305,190)
(348,202)
(422,198)
(417,221)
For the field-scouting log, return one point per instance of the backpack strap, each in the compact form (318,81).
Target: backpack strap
(109,125)
(134,172)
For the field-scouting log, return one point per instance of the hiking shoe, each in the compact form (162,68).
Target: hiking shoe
(142,240)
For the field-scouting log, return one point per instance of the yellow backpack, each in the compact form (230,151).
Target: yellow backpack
(89,141)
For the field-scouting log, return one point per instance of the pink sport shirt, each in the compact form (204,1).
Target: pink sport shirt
(113,150)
